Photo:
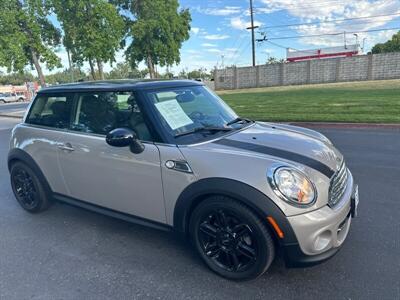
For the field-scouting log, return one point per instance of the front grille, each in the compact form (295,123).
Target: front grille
(338,185)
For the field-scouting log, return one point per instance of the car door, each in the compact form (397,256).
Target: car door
(48,117)
(111,177)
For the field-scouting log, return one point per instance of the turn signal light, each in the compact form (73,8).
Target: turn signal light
(276,227)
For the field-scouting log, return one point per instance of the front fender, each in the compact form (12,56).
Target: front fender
(253,198)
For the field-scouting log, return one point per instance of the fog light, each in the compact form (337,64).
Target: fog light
(322,240)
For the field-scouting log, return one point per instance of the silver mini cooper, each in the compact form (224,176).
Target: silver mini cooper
(173,155)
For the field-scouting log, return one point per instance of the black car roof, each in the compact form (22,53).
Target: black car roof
(120,85)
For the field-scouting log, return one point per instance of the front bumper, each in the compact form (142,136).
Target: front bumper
(321,233)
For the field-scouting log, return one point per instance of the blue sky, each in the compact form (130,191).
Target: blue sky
(219,29)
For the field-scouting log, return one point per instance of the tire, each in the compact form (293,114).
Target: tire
(231,239)
(2,101)
(21,100)
(27,188)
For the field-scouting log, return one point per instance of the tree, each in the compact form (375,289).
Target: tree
(125,71)
(16,78)
(183,74)
(272,60)
(93,31)
(27,37)
(65,76)
(393,45)
(200,73)
(156,31)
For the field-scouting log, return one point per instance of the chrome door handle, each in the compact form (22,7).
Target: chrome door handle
(66,147)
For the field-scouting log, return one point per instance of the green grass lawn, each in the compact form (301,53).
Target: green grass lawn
(368,101)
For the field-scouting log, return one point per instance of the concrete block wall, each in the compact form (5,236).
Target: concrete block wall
(386,66)
(246,77)
(224,79)
(323,70)
(295,73)
(353,68)
(270,75)
(356,68)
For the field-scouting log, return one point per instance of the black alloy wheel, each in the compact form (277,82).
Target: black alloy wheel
(231,239)
(228,241)
(27,188)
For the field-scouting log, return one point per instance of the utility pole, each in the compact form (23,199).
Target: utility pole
(252,27)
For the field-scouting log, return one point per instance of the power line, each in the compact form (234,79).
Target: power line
(309,5)
(329,34)
(331,21)
(244,50)
(341,27)
(278,45)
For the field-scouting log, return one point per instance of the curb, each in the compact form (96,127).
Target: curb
(346,125)
(11,116)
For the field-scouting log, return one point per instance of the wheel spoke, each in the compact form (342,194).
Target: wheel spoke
(227,240)
(212,250)
(222,219)
(208,229)
(241,230)
(246,250)
(235,261)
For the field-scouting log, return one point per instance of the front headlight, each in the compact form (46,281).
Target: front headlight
(292,186)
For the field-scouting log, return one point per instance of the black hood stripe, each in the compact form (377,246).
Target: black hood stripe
(310,162)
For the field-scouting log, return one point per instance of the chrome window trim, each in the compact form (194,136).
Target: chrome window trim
(78,133)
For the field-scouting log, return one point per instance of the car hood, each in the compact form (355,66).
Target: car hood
(289,143)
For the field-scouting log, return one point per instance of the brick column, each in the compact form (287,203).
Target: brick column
(235,78)
(309,71)
(216,79)
(257,76)
(337,75)
(282,74)
(370,75)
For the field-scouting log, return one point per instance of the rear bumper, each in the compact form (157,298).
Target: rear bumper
(321,233)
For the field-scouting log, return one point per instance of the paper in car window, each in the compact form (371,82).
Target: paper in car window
(173,113)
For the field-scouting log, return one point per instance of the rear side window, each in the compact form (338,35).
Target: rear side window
(51,111)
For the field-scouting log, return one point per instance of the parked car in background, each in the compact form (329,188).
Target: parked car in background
(12,97)
(173,155)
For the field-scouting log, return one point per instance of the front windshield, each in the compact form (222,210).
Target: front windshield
(186,110)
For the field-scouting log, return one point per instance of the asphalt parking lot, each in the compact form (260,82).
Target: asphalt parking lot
(13,109)
(70,253)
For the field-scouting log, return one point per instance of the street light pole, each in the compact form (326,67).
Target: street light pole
(356,35)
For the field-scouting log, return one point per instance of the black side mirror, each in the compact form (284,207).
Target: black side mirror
(124,137)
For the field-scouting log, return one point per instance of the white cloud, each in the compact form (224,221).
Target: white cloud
(192,51)
(314,12)
(213,50)
(195,30)
(221,11)
(208,45)
(239,23)
(216,37)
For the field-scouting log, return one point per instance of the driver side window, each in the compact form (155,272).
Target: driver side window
(101,112)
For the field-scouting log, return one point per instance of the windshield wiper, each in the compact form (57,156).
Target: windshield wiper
(205,128)
(237,120)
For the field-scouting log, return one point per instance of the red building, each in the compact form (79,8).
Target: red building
(342,51)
